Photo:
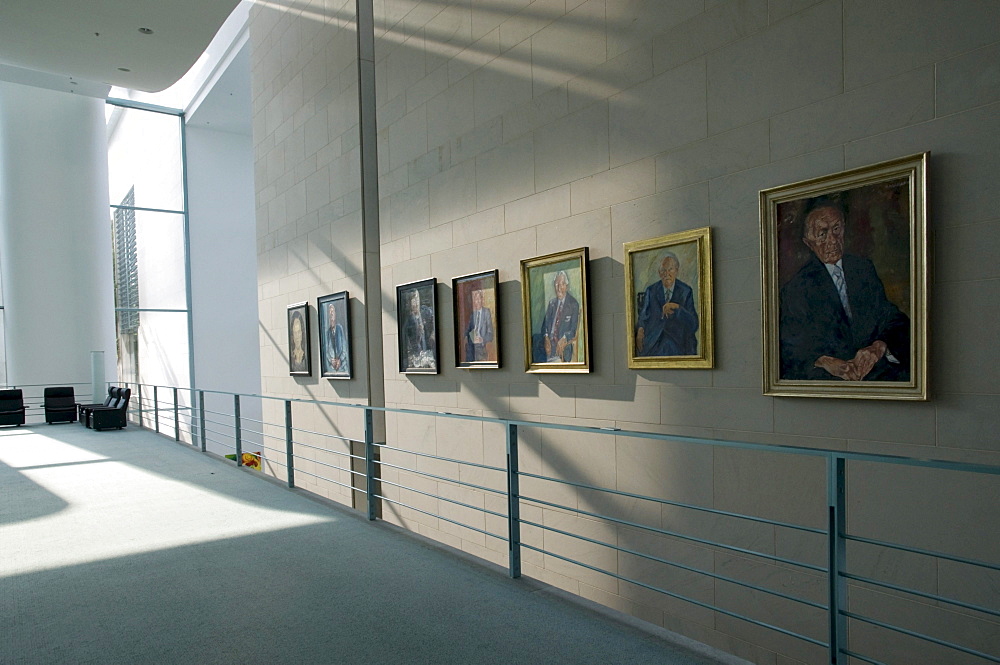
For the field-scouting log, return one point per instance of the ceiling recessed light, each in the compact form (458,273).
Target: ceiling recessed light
(124,69)
(145,31)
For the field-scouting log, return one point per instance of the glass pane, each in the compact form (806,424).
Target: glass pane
(159,261)
(144,152)
(161,349)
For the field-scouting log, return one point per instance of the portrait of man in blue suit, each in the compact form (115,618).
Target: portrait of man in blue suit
(667,324)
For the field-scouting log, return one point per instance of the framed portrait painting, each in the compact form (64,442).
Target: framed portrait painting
(477,328)
(334,316)
(299,358)
(844,261)
(556,312)
(416,317)
(668,301)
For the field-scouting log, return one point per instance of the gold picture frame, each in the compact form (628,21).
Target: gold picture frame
(844,279)
(668,301)
(555,311)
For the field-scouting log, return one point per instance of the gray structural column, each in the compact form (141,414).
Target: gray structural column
(55,235)
(368,129)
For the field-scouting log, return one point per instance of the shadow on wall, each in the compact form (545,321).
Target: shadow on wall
(442,40)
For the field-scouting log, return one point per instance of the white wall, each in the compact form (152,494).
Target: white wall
(55,238)
(223,261)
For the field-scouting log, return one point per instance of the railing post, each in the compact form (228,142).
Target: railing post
(177,422)
(370,463)
(289,453)
(513,504)
(836,489)
(238,427)
(138,401)
(156,410)
(201,418)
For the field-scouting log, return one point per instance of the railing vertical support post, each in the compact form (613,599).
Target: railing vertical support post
(201,418)
(177,421)
(138,402)
(836,489)
(238,427)
(370,463)
(156,410)
(289,452)
(513,504)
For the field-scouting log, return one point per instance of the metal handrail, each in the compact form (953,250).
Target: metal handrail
(836,533)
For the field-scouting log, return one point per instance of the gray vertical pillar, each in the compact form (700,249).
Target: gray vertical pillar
(368,130)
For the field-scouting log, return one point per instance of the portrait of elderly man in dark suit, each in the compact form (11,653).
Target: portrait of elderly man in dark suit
(835,319)
(562,317)
(668,321)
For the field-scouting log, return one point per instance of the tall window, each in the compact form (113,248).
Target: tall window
(146,174)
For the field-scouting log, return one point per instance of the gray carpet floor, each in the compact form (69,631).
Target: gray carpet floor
(124,547)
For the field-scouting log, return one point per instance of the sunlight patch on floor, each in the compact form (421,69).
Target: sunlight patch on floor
(117,509)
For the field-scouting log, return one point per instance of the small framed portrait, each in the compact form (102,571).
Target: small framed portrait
(556,315)
(416,317)
(299,358)
(844,261)
(668,301)
(334,316)
(477,329)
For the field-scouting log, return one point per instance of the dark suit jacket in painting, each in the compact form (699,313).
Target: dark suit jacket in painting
(668,335)
(813,322)
(419,339)
(480,321)
(564,328)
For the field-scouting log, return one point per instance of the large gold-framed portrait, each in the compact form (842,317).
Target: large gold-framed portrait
(844,261)
(556,312)
(668,301)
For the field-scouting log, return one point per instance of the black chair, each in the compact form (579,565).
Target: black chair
(107,417)
(60,405)
(81,409)
(11,407)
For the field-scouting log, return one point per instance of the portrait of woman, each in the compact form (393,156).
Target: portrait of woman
(299,361)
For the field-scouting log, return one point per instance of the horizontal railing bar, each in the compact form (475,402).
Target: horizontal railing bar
(442,478)
(442,498)
(221,443)
(679,596)
(860,657)
(714,511)
(274,450)
(443,459)
(677,565)
(922,594)
(471,528)
(254,420)
(220,413)
(329,466)
(921,636)
(917,550)
(331,480)
(215,431)
(665,532)
(763,447)
(215,422)
(328,436)
(325,450)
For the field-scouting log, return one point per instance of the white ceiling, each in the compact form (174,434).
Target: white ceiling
(93,41)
